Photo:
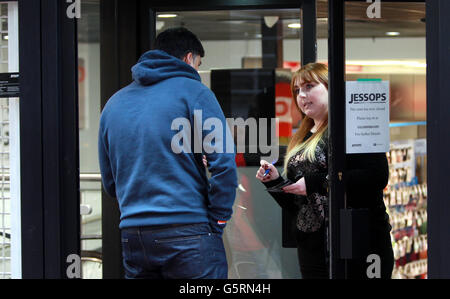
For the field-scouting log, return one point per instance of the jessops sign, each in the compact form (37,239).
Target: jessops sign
(367,116)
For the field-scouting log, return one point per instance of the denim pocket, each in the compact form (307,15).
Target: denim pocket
(125,247)
(213,256)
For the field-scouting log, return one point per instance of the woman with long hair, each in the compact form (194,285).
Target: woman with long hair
(306,167)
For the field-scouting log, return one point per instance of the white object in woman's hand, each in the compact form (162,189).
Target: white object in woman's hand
(298,188)
(272,175)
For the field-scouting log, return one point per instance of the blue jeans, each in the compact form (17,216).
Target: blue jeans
(182,252)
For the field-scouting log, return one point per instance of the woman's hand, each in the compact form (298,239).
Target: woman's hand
(205,162)
(272,175)
(298,188)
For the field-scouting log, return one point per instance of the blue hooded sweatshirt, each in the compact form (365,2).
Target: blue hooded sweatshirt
(150,151)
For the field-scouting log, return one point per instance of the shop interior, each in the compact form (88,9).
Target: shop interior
(391,48)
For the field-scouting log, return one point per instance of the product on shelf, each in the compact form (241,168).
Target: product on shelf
(405,198)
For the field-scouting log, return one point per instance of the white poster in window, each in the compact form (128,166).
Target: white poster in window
(367,116)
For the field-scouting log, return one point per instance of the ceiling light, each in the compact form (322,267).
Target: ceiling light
(394,63)
(393,33)
(159,25)
(295,25)
(270,21)
(234,22)
(167,16)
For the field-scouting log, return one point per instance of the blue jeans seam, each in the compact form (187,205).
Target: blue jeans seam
(142,245)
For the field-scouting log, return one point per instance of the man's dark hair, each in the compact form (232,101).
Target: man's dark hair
(178,42)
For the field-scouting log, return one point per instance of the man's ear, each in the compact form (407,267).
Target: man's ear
(188,58)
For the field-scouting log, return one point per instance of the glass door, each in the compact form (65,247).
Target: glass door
(387,42)
(89,116)
(251,83)
(10,232)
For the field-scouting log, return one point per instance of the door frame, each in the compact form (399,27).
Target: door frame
(122,43)
(49,146)
(438,130)
(50,151)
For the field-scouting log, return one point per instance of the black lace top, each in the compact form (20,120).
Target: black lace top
(312,209)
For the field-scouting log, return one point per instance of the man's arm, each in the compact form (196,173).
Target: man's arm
(105,164)
(218,147)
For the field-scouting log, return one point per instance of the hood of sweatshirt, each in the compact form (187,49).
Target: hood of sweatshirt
(156,65)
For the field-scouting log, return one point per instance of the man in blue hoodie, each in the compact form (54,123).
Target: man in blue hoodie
(152,138)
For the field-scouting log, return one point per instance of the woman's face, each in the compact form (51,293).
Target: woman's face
(312,99)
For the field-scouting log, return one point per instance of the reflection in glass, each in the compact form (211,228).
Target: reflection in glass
(89,116)
(233,67)
(392,48)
